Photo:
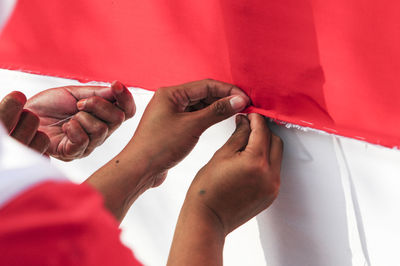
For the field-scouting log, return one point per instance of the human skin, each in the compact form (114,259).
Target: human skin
(22,124)
(169,129)
(95,111)
(240,181)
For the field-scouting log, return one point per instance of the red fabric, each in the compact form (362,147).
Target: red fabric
(326,64)
(60,224)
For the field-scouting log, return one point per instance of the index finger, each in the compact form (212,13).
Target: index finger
(11,108)
(192,92)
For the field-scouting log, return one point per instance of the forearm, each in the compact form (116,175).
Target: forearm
(123,179)
(199,237)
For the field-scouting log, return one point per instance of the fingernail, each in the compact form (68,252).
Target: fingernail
(237,103)
(118,87)
(81,104)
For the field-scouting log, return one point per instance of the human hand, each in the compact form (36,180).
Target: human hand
(96,112)
(243,177)
(176,117)
(22,124)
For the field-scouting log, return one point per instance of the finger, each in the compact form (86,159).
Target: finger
(26,127)
(83,92)
(104,110)
(77,139)
(238,140)
(11,108)
(96,129)
(218,111)
(260,136)
(40,142)
(275,155)
(124,99)
(192,92)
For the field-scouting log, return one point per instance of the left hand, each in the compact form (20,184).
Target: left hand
(176,117)
(96,112)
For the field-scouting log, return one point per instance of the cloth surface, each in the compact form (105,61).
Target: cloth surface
(331,206)
(60,224)
(47,220)
(326,64)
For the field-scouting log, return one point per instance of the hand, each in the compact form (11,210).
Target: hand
(176,117)
(96,113)
(22,124)
(242,178)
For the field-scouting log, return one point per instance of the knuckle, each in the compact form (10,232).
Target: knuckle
(259,167)
(100,129)
(220,108)
(93,102)
(82,140)
(79,116)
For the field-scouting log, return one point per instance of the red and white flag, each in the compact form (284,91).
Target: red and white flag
(326,64)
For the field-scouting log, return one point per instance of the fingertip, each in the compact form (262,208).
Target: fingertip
(124,99)
(237,91)
(118,87)
(238,103)
(19,96)
(81,104)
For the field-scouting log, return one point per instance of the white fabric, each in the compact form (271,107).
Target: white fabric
(21,168)
(338,203)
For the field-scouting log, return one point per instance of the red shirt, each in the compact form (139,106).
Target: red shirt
(60,223)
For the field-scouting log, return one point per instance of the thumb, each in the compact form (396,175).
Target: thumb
(220,110)
(240,137)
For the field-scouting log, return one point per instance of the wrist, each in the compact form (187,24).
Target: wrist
(152,155)
(122,180)
(205,214)
(199,237)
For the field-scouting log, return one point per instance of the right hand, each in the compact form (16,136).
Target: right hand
(243,177)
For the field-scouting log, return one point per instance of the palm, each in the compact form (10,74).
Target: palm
(53,107)
(75,133)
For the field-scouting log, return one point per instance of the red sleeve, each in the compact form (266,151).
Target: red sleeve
(58,223)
